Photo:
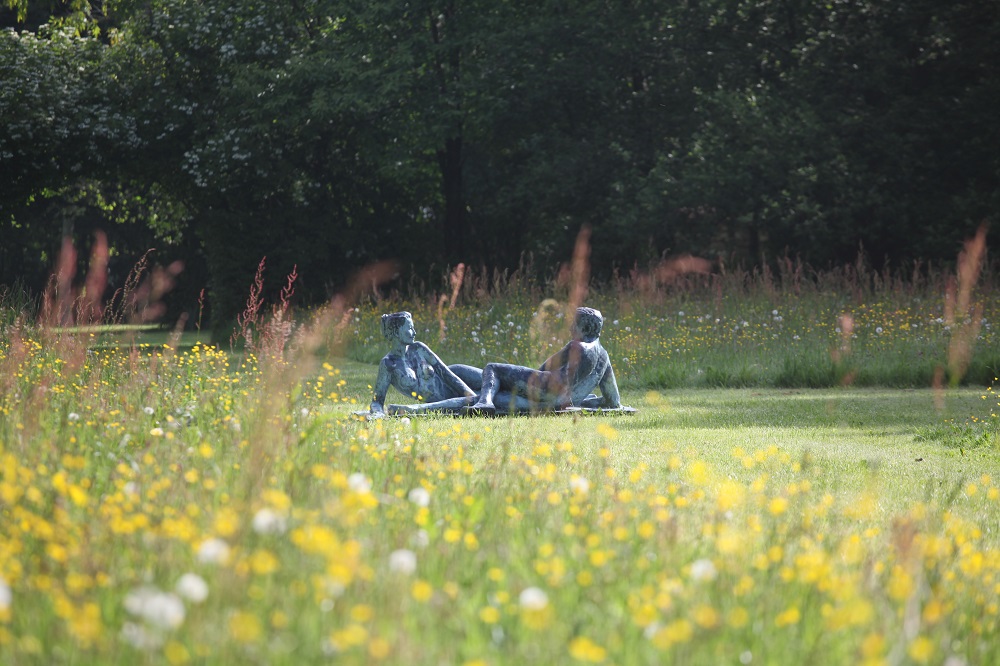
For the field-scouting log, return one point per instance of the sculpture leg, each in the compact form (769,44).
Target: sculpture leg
(489,389)
(472,376)
(526,389)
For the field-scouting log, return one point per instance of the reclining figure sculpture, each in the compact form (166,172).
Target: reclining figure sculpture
(564,381)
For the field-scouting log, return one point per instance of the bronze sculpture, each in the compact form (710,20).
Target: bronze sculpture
(563,382)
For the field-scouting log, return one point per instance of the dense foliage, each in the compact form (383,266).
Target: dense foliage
(331,133)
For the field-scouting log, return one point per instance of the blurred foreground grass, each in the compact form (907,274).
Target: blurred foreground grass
(165,506)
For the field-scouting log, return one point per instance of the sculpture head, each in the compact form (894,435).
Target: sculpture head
(395,323)
(589,322)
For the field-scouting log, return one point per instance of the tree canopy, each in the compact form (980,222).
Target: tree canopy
(328,134)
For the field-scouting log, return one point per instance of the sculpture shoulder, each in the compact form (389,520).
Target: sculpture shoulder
(419,347)
(418,350)
(390,362)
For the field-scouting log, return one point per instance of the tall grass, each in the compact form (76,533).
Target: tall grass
(731,328)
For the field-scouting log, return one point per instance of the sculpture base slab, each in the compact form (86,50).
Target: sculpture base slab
(472,413)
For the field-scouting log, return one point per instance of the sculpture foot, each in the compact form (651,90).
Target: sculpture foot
(479,410)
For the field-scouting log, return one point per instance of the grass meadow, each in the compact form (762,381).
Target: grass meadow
(183,503)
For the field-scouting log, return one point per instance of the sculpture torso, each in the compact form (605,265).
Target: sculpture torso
(411,374)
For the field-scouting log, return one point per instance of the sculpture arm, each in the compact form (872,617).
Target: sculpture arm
(609,389)
(558,360)
(447,374)
(381,388)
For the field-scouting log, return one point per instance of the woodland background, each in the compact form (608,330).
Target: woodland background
(329,134)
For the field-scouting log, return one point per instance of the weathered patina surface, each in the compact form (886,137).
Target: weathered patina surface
(416,371)
(564,383)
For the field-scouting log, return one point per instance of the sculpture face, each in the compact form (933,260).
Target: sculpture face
(399,326)
(406,333)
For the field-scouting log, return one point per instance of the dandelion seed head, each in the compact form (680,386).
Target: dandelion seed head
(6,595)
(160,610)
(419,496)
(359,483)
(213,551)
(533,598)
(703,570)
(192,587)
(269,521)
(579,484)
(403,561)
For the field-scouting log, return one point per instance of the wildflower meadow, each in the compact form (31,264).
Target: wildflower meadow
(183,502)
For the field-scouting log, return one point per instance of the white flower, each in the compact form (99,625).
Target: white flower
(774,312)
(6,595)
(703,570)
(73,416)
(139,637)
(532,598)
(651,630)
(403,561)
(269,521)
(192,587)
(304,412)
(156,432)
(161,610)
(213,551)
(419,496)
(878,329)
(579,484)
(421,539)
(148,410)
(405,420)
(359,483)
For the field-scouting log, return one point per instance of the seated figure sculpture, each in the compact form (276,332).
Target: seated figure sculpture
(417,371)
(564,380)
